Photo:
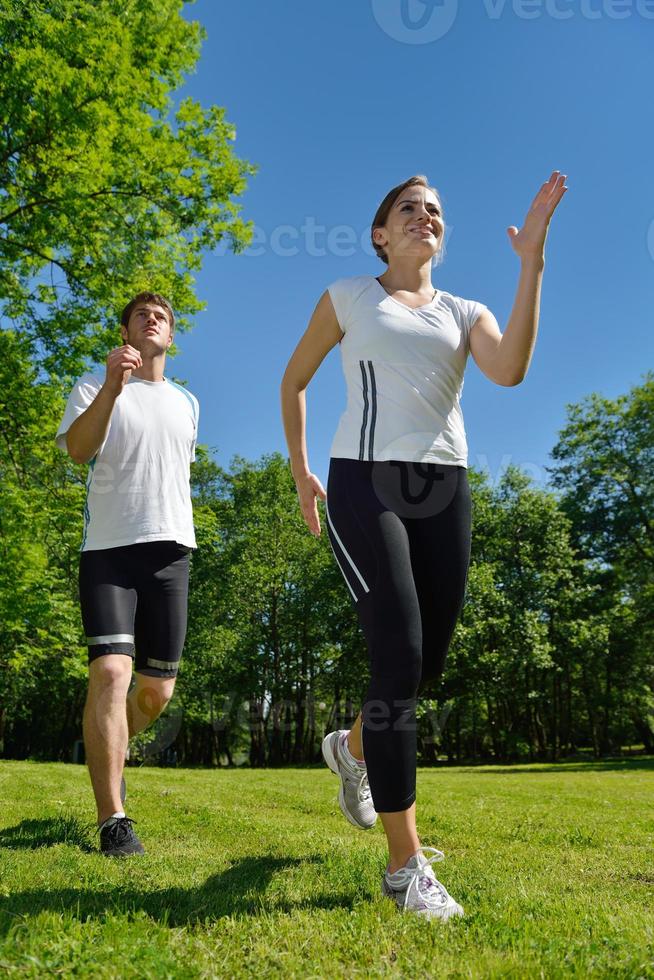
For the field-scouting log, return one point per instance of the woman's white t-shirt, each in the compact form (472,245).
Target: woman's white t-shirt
(138,485)
(404,374)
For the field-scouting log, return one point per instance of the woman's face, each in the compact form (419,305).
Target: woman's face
(414,226)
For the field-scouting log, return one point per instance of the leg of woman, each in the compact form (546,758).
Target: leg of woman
(440,556)
(438,528)
(372,547)
(437,520)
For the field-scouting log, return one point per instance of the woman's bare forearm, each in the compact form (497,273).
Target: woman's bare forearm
(516,348)
(294,415)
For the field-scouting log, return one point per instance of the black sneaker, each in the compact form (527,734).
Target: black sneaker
(119,840)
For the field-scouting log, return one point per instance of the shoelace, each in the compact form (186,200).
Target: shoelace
(426,886)
(362,784)
(361,778)
(121,829)
(363,789)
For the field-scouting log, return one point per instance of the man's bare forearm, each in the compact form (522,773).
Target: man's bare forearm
(88,432)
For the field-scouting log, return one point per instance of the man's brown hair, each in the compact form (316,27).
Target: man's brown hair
(155,299)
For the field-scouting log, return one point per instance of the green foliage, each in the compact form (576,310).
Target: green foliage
(107,186)
(605,470)
(266,603)
(42,669)
(105,189)
(546,659)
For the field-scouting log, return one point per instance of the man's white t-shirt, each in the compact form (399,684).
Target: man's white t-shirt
(138,485)
(404,374)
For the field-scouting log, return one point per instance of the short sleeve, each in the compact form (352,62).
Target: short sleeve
(196,419)
(82,395)
(194,405)
(470,310)
(340,293)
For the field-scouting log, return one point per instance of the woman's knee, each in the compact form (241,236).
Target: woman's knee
(432,670)
(397,678)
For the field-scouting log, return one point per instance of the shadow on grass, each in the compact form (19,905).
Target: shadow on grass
(534,769)
(32,834)
(240,890)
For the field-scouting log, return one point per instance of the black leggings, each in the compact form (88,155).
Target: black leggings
(401,536)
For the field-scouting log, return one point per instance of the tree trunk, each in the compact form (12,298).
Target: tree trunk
(592,716)
(605,742)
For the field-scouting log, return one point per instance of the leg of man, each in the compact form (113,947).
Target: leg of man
(108,603)
(105,729)
(160,631)
(146,700)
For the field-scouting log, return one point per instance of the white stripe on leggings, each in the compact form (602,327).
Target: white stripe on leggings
(344,550)
(353,593)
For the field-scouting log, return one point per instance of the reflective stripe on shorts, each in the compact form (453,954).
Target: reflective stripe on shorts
(109,638)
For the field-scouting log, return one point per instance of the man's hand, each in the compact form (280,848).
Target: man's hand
(120,363)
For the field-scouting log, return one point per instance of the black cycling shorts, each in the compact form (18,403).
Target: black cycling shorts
(134,601)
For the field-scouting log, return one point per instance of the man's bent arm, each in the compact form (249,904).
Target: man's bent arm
(89,430)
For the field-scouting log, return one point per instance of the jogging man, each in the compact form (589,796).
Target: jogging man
(137,431)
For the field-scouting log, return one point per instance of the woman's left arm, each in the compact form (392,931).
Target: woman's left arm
(505,358)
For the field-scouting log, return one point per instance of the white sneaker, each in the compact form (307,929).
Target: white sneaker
(415,888)
(354,796)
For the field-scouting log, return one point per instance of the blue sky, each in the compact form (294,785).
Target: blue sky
(338,101)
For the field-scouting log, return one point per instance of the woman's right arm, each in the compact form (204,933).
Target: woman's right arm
(322,334)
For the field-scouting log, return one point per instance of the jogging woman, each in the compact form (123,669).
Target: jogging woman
(398,501)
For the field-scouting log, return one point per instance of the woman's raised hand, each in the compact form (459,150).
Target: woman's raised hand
(309,488)
(529,241)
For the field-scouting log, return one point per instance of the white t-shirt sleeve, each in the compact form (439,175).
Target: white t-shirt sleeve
(196,419)
(470,310)
(340,293)
(80,398)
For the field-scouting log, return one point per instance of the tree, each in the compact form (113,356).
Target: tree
(604,469)
(509,672)
(42,657)
(103,189)
(273,650)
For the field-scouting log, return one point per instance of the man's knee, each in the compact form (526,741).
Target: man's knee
(165,688)
(152,694)
(110,671)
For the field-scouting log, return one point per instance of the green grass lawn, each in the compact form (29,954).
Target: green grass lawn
(256,873)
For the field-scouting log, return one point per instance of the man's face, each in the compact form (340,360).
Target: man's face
(148,329)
